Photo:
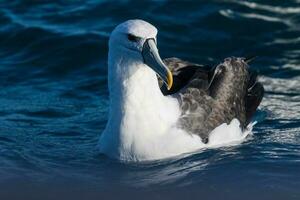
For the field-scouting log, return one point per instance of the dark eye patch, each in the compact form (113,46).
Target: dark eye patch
(133,38)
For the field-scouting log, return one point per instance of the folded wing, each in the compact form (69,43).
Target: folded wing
(210,96)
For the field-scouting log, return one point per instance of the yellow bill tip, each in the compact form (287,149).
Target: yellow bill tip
(170,80)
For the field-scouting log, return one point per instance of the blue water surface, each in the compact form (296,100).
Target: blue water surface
(54,99)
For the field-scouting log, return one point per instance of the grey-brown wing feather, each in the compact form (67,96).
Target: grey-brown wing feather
(183,72)
(209,98)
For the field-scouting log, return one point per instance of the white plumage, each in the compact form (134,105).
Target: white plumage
(142,122)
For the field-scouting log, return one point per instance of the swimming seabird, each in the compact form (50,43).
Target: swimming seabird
(162,108)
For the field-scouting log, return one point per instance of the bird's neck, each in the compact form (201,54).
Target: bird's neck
(133,83)
(138,109)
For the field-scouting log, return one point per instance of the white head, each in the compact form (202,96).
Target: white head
(136,40)
(131,35)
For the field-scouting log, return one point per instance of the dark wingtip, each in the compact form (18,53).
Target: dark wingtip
(249,59)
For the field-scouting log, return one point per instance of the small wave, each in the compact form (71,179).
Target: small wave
(273,9)
(285,41)
(47,113)
(231,14)
(65,29)
(60,134)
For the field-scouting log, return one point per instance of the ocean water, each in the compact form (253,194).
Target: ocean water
(54,99)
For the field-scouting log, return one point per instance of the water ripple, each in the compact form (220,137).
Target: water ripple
(54,98)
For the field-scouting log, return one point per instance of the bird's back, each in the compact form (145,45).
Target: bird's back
(210,97)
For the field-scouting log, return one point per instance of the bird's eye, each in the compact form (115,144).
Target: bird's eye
(132,38)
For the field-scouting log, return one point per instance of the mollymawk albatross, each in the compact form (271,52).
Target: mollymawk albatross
(163,108)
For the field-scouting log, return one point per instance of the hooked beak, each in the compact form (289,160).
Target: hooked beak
(153,60)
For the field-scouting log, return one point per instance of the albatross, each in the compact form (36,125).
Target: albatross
(163,108)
